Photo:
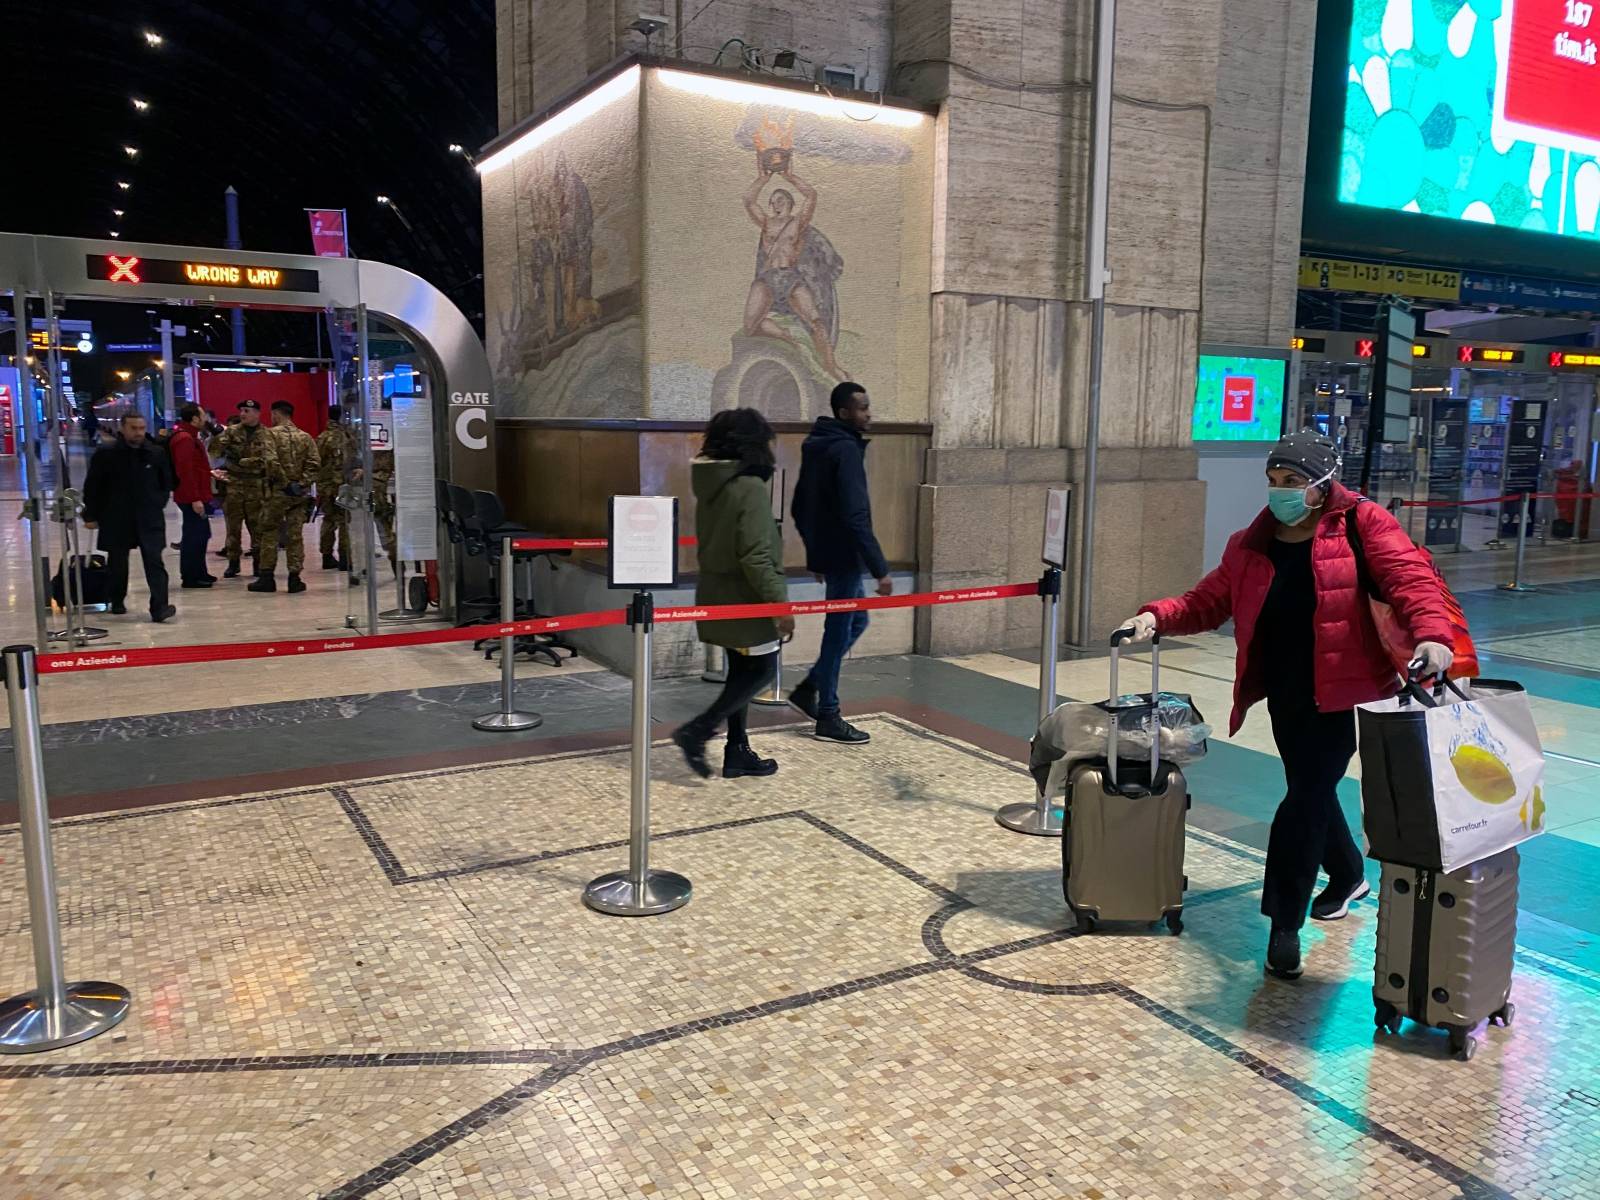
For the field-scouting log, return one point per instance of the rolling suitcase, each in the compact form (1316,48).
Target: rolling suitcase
(1445,947)
(1123,835)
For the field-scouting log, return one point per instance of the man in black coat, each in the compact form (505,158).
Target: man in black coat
(834,516)
(125,498)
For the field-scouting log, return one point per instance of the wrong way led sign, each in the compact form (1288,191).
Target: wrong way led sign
(133,270)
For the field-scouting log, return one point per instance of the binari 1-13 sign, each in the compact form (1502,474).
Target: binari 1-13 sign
(252,277)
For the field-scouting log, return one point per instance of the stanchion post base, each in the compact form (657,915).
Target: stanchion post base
(91,1008)
(1024,818)
(1517,587)
(617,895)
(403,616)
(499,722)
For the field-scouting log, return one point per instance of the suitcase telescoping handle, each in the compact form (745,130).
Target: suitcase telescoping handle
(1117,639)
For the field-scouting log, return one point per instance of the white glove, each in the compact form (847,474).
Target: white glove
(1143,626)
(1432,660)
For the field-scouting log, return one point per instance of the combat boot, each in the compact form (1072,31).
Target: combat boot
(233,569)
(330,563)
(294,582)
(264,582)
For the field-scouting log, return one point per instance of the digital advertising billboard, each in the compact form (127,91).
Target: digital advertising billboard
(1463,130)
(1238,395)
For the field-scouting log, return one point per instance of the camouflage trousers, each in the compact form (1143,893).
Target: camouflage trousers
(244,505)
(335,528)
(383,518)
(286,523)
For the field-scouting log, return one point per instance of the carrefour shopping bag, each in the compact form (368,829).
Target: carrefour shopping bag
(1450,777)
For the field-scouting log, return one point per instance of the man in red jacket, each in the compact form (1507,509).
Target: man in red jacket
(1307,645)
(193,470)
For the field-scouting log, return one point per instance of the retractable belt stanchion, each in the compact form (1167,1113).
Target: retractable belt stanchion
(1041,818)
(1516,584)
(508,719)
(55,1013)
(639,891)
(716,665)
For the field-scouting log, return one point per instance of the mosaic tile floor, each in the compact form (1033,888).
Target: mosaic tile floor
(391,988)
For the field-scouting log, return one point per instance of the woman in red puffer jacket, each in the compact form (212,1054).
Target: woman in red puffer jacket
(1308,646)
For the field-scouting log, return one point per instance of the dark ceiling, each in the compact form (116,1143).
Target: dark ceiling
(295,103)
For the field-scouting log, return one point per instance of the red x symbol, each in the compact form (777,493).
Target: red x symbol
(122,269)
(1363,347)
(1464,354)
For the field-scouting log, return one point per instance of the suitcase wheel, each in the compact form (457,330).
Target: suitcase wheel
(1085,920)
(1462,1044)
(1386,1016)
(1175,922)
(1505,1016)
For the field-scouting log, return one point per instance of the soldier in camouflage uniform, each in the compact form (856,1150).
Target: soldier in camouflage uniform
(290,508)
(333,449)
(382,500)
(249,455)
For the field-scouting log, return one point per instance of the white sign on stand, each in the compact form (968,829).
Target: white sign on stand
(1056,507)
(643,542)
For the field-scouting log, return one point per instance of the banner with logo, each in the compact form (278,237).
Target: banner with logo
(328,237)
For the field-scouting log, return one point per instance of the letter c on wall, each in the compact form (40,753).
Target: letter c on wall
(464,434)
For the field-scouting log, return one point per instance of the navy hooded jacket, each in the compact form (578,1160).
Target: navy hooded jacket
(831,507)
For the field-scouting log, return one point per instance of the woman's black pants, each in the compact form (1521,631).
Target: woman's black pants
(747,675)
(1309,830)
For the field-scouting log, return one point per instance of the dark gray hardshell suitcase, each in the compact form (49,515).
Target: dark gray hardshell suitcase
(1123,837)
(1446,942)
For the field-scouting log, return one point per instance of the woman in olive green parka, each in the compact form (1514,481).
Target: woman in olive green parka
(741,562)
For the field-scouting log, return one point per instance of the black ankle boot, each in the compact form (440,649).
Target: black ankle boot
(295,585)
(264,582)
(330,563)
(233,569)
(1283,954)
(693,745)
(739,761)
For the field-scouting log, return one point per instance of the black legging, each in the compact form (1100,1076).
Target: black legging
(747,675)
(1309,829)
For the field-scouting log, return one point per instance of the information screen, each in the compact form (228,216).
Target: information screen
(1468,110)
(1238,398)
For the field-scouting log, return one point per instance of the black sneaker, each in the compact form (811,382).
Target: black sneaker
(804,700)
(741,761)
(837,729)
(1336,899)
(165,614)
(694,751)
(1283,954)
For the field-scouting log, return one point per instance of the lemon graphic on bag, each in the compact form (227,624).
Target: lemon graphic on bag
(1483,774)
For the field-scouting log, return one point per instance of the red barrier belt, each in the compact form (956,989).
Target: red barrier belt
(166,656)
(1512,498)
(591,543)
(811,608)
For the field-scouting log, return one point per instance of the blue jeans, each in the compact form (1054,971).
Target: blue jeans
(840,631)
(192,545)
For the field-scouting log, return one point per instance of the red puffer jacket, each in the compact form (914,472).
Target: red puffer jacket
(1351,667)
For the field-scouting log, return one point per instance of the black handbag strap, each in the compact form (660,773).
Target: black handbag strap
(1353,535)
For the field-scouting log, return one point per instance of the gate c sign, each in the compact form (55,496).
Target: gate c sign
(470,415)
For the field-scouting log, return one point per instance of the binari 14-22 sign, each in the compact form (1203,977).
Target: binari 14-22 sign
(133,269)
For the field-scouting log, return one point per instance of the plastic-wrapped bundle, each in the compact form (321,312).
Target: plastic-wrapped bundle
(1078,731)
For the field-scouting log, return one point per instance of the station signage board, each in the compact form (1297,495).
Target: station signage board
(132,269)
(1379,279)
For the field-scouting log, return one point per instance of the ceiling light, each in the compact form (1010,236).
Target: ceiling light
(124,184)
(455,147)
(131,151)
(384,200)
(141,105)
(114,233)
(152,38)
(117,212)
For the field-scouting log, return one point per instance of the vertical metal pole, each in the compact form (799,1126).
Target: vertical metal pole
(716,665)
(1042,818)
(639,891)
(368,515)
(169,402)
(57,406)
(33,486)
(1516,584)
(230,212)
(508,718)
(1105,23)
(56,1013)
(773,697)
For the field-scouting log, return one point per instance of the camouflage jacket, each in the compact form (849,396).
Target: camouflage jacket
(248,453)
(332,449)
(297,452)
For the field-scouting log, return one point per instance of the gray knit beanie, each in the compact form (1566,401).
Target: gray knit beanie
(1308,452)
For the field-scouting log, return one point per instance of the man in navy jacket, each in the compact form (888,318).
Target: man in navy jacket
(833,513)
